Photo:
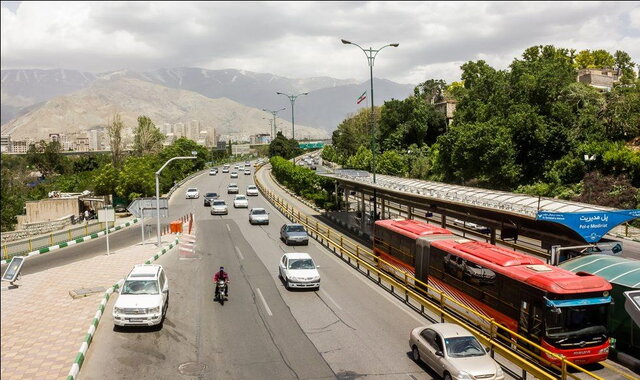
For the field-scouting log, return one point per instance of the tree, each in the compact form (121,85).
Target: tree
(361,160)
(392,163)
(626,66)
(431,91)
(354,131)
(136,178)
(147,138)
(179,169)
(284,147)
(114,130)
(47,158)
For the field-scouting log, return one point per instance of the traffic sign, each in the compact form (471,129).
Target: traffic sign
(147,207)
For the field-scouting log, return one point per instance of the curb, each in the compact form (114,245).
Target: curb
(77,363)
(72,242)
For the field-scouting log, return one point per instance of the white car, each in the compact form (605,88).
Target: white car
(453,352)
(252,190)
(234,174)
(144,297)
(247,171)
(298,270)
(258,215)
(232,188)
(219,207)
(192,193)
(225,169)
(240,201)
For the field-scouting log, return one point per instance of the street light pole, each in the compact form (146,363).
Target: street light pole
(292,99)
(158,189)
(274,119)
(371,57)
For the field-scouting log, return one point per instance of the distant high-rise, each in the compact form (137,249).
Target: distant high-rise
(179,130)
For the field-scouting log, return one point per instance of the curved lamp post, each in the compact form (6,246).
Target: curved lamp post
(371,57)
(158,188)
(292,99)
(273,136)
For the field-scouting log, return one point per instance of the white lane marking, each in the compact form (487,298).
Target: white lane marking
(330,299)
(239,253)
(228,228)
(264,302)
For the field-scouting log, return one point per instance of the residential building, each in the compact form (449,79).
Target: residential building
(81,144)
(19,146)
(602,79)
(447,107)
(5,144)
(179,130)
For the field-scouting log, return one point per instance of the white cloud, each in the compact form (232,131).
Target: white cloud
(302,39)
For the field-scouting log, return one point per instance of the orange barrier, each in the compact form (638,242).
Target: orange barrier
(176,227)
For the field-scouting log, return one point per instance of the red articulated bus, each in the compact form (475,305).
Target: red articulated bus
(564,312)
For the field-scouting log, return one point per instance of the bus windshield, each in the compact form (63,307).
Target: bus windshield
(568,322)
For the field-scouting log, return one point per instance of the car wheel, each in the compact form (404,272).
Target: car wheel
(415,354)
(287,285)
(447,376)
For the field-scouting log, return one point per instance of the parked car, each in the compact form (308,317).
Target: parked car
(453,352)
(213,171)
(219,207)
(232,188)
(234,174)
(144,297)
(293,233)
(298,270)
(252,190)
(258,215)
(122,208)
(240,201)
(192,193)
(208,197)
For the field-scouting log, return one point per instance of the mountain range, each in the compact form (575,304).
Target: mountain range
(35,102)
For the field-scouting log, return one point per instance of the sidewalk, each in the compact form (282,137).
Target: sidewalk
(42,326)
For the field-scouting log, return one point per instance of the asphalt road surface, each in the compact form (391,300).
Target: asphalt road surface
(349,328)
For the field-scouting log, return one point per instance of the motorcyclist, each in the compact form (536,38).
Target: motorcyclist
(221,275)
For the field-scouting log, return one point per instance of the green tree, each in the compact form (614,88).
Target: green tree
(624,63)
(179,169)
(114,131)
(284,147)
(392,163)
(47,158)
(136,178)
(361,160)
(147,138)
(106,180)
(354,131)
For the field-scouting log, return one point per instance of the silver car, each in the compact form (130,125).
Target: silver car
(219,207)
(294,234)
(453,353)
(258,215)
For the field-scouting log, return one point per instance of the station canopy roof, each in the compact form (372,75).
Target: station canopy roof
(615,269)
(525,205)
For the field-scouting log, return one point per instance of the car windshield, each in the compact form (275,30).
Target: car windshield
(242,198)
(301,264)
(140,287)
(233,185)
(463,347)
(218,203)
(192,190)
(295,229)
(210,195)
(251,187)
(258,212)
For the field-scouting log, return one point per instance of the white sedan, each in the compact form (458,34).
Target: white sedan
(240,201)
(298,270)
(252,190)
(219,207)
(192,193)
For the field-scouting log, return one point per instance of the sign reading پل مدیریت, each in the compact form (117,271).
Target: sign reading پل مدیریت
(592,226)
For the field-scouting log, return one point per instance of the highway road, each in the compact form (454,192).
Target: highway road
(349,328)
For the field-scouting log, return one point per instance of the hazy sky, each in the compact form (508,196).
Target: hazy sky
(302,39)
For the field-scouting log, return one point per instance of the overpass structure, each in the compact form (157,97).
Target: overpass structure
(551,221)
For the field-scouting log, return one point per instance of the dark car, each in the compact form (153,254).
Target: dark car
(293,233)
(120,208)
(208,197)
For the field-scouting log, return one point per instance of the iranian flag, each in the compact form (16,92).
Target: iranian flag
(362,97)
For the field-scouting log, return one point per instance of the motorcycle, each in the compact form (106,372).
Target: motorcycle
(221,291)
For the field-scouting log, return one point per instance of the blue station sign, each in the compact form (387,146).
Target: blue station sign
(592,226)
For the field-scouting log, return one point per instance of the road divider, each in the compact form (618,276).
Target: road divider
(73,242)
(82,352)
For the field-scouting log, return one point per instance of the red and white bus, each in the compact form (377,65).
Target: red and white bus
(565,312)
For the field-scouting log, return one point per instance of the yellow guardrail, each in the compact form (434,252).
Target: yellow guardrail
(509,344)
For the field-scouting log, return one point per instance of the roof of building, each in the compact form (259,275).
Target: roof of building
(615,269)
